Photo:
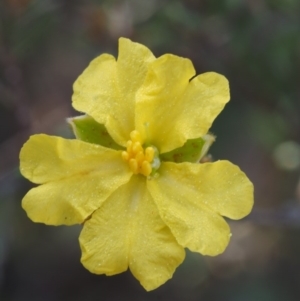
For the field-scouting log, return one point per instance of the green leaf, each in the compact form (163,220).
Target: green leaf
(192,151)
(85,128)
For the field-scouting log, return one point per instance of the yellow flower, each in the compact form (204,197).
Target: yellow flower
(138,211)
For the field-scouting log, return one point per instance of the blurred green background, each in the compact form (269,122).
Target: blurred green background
(46,44)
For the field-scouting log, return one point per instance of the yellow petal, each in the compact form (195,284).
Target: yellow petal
(221,186)
(79,177)
(46,158)
(106,90)
(182,207)
(176,109)
(166,81)
(128,231)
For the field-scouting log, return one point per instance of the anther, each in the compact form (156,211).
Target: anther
(129,146)
(136,148)
(135,136)
(149,153)
(133,164)
(140,157)
(125,155)
(146,168)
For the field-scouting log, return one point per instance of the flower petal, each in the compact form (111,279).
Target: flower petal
(178,109)
(167,79)
(181,193)
(221,186)
(128,231)
(79,177)
(46,158)
(106,89)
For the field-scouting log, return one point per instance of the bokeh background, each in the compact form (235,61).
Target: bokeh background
(46,44)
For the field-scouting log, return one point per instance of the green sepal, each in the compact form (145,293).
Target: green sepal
(192,151)
(87,129)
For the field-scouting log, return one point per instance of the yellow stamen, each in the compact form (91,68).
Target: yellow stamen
(136,148)
(135,136)
(133,164)
(149,153)
(138,158)
(125,155)
(129,146)
(146,168)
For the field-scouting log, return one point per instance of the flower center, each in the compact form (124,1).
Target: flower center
(141,160)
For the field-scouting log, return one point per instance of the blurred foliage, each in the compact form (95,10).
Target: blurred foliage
(45,45)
